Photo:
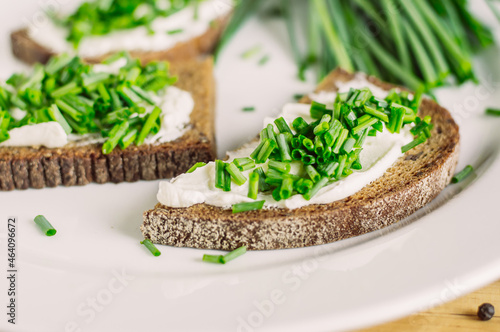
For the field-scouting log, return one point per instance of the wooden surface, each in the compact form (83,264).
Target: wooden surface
(459,315)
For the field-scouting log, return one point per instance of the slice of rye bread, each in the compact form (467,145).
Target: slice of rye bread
(38,167)
(413,181)
(29,51)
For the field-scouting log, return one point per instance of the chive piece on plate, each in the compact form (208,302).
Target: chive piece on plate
(253,185)
(264,60)
(234,254)
(493,111)
(251,52)
(217,259)
(248,109)
(417,141)
(195,166)
(219,174)
(175,31)
(151,247)
(45,225)
(462,174)
(248,206)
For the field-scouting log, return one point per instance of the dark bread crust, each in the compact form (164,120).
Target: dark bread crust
(413,181)
(28,50)
(38,167)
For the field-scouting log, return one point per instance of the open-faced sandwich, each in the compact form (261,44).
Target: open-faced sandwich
(354,156)
(149,30)
(72,123)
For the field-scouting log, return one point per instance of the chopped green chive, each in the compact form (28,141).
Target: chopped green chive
(279,166)
(318,110)
(236,174)
(286,188)
(284,148)
(45,225)
(264,60)
(217,259)
(282,126)
(248,109)
(244,164)
(417,141)
(248,206)
(253,185)
(151,247)
(175,31)
(234,254)
(56,115)
(492,111)
(148,125)
(115,135)
(227,179)
(265,151)
(223,259)
(251,52)
(299,124)
(220,166)
(196,166)
(317,186)
(468,170)
(263,186)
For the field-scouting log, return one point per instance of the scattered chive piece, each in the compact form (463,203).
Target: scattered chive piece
(282,125)
(417,141)
(286,188)
(263,186)
(219,174)
(279,166)
(248,109)
(175,31)
(195,166)
(298,96)
(244,164)
(213,259)
(284,148)
(227,180)
(151,247)
(248,206)
(317,186)
(253,185)
(234,254)
(462,174)
(492,111)
(45,225)
(265,152)
(299,124)
(264,60)
(236,174)
(251,52)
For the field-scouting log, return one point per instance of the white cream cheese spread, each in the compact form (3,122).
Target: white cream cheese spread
(53,36)
(379,154)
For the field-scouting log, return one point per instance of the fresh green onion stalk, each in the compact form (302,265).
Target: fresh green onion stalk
(419,44)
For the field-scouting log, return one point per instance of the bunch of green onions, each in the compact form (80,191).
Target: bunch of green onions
(100,17)
(83,101)
(327,149)
(415,43)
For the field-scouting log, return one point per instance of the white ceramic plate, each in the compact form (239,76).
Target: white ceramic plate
(95,276)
